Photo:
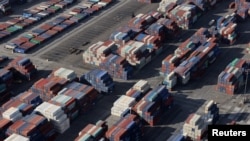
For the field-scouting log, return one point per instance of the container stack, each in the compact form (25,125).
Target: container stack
(100,80)
(136,53)
(34,127)
(158,30)
(122,105)
(117,67)
(185,15)
(97,52)
(29,97)
(212,109)
(64,73)
(24,67)
(172,29)
(93,132)
(183,51)
(55,115)
(47,88)
(141,86)
(227,28)
(155,14)
(141,22)
(67,103)
(197,63)
(12,114)
(24,108)
(195,127)
(153,105)
(16,137)
(122,35)
(4,125)
(167,5)
(127,128)
(138,90)
(231,80)
(154,45)
(189,62)
(85,97)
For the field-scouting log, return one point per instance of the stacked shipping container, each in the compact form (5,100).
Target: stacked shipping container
(196,125)
(82,98)
(123,105)
(231,80)
(127,128)
(227,28)
(152,106)
(140,40)
(136,53)
(34,127)
(55,114)
(196,64)
(23,67)
(93,132)
(100,80)
(48,87)
(185,15)
(191,59)
(98,52)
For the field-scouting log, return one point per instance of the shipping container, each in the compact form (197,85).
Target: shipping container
(23,67)
(127,128)
(232,79)
(100,80)
(94,132)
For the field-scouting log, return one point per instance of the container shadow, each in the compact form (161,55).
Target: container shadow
(153,67)
(182,108)
(228,118)
(25,85)
(157,133)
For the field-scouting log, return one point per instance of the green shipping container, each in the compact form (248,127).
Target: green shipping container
(12,29)
(55,7)
(35,41)
(19,26)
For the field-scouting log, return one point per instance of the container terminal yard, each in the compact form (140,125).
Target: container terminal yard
(111,70)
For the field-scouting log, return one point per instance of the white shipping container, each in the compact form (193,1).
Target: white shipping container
(125,101)
(12,114)
(16,137)
(142,86)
